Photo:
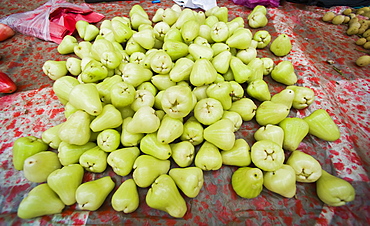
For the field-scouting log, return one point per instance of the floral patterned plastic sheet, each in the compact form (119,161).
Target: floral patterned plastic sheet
(34,108)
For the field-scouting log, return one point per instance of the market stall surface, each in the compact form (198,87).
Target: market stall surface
(341,88)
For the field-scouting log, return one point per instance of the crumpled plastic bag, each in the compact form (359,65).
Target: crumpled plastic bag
(253,3)
(51,21)
(194,4)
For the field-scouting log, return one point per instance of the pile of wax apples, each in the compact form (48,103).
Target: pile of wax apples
(144,94)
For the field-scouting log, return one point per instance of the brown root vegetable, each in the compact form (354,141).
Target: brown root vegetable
(363,60)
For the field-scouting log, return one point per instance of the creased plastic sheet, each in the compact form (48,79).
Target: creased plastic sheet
(344,95)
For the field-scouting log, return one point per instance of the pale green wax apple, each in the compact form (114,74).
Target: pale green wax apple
(235,117)
(237,90)
(221,134)
(303,96)
(270,132)
(322,125)
(170,16)
(86,97)
(144,120)
(219,47)
(126,197)
(181,70)
(162,82)
(122,32)
(132,46)
(208,111)
(247,182)
(306,167)
(202,41)
(269,112)
(286,97)
(281,46)
(158,100)
(142,98)
(81,27)
(208,157)
(50,136)
(257,20)
(40,201)
(267,155)
(139,19)
(219,32)
(221,61)
(149,87)
(185,15)
(173,34)
(92,194)
(263,38)
(211,21)
(63,86)
(135,74)
(245,107)
(203,73)
(193,131)
(222,13)
(189,180)
(67,44)
(125,20)
(165,196)
(82,50)
(268,65)
(70,153)
(221,92)
(240,39)
(160,29)
(37,167)
(259,90)
(175,49)
(161,62)
(241,71)
(198,51)
(109,140)
(239,20)
(147,169)
(137,58)
(129,139)
(334,191)
(238,155)
(183,153)
(190,30)
(247,55)
(109,118)
(170,129)
(122,94)
(73,65)
(122,160)
(91,32)
(295,130)
(145,38)
(256,65)
(281,181)
(232,25)
(150,145)
(55,69)
(94,160)
(177,101)
(94,71)
(200,92)
(76,130)
(24,147)
(284,73)
(65,182)
(105,87)
(138,9)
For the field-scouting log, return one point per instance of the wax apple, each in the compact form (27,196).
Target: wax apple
(322,125)
(92,194)
(37,167)
(150,145)
(269,112)
(245,107)
(40,201)
(240,39)
(208,111)
(126,197)
(190,30)
(76,130)
(55,69)
(63,86)
(189,180)
(303,96)
(67,44)
(208,157)
(221,134)
(25,147)
(285,97)
(164,195)
(86,97)
(238,155)
(234,117)
(221,92)
(183,153)
(203,73)
(281,181)
(109,118)
(241,71)
(256,65)
(257,20)
(94,160)
(181,70)
(270,132)
(65,182)
(147,168)
(281,46)
(122,160)
(221,61)
(306,167)
(50,136)
(263,38)
(259,89)
(246,55)
(70,153)
(73,65)
(162,82)
(177,101)
(93,72)
(144,121)
(267,155)
(295,130)
(109,140)
(193,131)
(284,73)
(175,49)
(122,31)
(170,129)
(129,139)
(268,65)
(247,182)
(334,191)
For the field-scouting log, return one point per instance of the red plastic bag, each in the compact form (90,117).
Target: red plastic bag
(253,3)
(51,21)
